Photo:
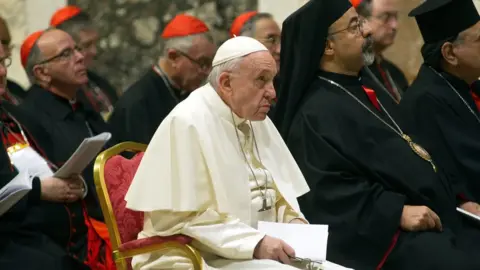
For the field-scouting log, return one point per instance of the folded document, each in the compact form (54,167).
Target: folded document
(308,240)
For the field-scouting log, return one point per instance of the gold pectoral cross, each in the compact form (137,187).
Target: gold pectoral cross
(419,150)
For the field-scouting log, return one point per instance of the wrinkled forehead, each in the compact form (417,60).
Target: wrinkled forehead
(381,6)
(258,62)
(54,42)
(267,26)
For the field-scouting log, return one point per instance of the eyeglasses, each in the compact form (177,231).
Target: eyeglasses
(63,55)
(204,64)
(355,27)
(271,40)
(5,61)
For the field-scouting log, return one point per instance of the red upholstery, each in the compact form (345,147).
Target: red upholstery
(119,173)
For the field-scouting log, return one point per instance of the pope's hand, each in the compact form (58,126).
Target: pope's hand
(271,248)
(61,190)
(419,218)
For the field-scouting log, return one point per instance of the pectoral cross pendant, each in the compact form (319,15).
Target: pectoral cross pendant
(265,206)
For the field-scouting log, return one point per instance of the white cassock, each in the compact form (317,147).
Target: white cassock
(195,180)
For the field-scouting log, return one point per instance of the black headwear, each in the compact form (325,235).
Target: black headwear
(304,35)
(443,19)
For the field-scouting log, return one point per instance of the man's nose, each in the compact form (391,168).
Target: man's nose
(366,29)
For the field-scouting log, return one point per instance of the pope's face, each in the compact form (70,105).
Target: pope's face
(252,88)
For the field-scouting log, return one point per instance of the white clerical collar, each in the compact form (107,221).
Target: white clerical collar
(220,107)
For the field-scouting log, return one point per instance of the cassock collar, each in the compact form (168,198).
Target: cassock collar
(220,107)
(346,81)
(56,106)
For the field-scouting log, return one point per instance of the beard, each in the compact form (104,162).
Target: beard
(368,54)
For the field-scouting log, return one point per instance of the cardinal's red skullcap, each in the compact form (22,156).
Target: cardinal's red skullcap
(184,25)
(27,46)
(240,21)
(64,14)
(355,3)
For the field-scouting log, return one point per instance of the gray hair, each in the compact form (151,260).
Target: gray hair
(248,29)
(364,9)
(33,59)
(184,44)
(214,75)
(76,24)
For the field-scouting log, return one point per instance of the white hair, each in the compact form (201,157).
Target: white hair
(184,44)
(214,76)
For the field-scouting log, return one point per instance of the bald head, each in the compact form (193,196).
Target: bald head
(56,60)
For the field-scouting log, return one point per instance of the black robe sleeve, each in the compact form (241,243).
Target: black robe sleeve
(454,142)
(358,211)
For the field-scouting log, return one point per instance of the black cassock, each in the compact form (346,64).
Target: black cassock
(143,107)
(386,79)
(361,174)
(445,125)
(24,244)
(62,127)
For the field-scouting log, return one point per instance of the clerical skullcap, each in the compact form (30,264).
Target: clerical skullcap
(237,47)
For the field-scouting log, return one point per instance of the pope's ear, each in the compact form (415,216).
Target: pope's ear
(224,82)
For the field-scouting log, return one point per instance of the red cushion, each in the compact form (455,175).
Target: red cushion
(119,173)
(154,240)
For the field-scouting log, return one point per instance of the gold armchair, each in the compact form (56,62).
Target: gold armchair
(113,175)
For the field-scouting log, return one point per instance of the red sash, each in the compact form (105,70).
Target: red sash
(99,248)
(372,96)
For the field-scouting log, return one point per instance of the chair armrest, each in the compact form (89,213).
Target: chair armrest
(157,243)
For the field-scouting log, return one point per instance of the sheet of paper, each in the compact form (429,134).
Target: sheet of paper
(468,214)
(14,191)
(85,153)
(28,160)
(326,265)
(309,241)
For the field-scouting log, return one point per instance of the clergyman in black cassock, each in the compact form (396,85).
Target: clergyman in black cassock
(20,227)
(440,105)
(386,205)
(180,70)
(383,76)
(55,113)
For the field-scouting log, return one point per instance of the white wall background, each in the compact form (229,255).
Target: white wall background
(280,9)
(23,18)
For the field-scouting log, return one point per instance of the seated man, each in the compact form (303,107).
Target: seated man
(19,241)
(389,206)
(217,165)
(56,69)
(184,65)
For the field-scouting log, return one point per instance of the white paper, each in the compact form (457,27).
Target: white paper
(326,265)
(14,191)
(468,214)
(308,240)
(85,153)
(28,160)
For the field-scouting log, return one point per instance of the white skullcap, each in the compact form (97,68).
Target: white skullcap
(237,47)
